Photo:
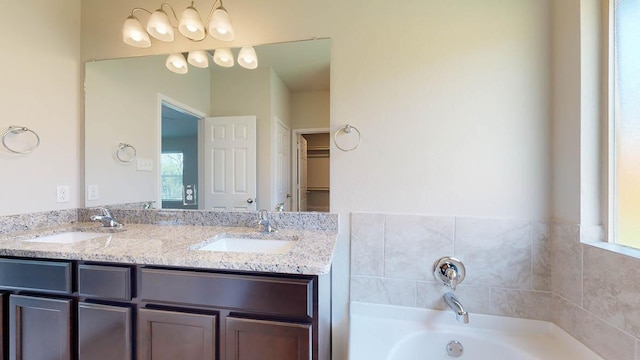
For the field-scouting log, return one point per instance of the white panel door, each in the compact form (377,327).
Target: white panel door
(302,173)
(230,163)
(282,165)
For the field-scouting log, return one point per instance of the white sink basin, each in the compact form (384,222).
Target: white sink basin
(71,237)
(247,245)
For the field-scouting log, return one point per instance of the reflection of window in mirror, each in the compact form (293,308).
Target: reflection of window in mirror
(172,170)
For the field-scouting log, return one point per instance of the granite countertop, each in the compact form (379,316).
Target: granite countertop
(176,245)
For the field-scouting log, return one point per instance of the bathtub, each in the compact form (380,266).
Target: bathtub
(387,332)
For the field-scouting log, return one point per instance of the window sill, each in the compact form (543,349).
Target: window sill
(615,248)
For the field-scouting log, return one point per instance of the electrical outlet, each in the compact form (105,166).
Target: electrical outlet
(63,193)
(92,192)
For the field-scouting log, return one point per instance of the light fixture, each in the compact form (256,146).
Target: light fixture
(190,25)
(176,63)
(134,34)
(159,26)
(247,57)
(220,25)
(198,58)
(223,57)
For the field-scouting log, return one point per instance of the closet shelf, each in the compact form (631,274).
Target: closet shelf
(318,188)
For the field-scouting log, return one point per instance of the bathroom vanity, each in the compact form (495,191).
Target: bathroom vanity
(149,293)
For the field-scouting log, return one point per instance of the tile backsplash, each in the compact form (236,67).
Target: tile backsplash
(518,268)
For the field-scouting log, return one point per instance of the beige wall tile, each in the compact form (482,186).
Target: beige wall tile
(566,262)
(413,243)
(612,288)
(521,304)
(495,252)
(541,256)
(367,244)
(608,341)
(383,291)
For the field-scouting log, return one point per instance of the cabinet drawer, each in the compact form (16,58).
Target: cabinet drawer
(105,282)
(36,275)
(258,294)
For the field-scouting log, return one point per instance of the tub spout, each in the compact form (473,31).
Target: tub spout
(456,306)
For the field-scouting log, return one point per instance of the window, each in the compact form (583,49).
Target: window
(172,175)
(625,217)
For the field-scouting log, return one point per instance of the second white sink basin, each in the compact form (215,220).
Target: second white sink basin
(71,237)
(265,246)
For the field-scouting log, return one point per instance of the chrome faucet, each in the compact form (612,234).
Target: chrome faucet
(106,218)
(449,271)
(264,224)
(456,306)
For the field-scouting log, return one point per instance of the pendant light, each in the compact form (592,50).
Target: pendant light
(133,33)
(198,58)
(220,25)
(223,57)
(247,57)
(190,24)
(176,63)
(159,26)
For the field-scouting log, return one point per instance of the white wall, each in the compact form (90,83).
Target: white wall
(121,99)
(451,98)
(310,109)
(40,88)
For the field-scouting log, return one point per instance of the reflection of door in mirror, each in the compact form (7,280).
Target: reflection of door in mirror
(179,158)
(282,163)
(302,173)
(230,163)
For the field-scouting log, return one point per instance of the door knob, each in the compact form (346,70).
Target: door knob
(288,196)
(250,200)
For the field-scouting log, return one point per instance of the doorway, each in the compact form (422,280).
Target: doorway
(179,158)
(311,170)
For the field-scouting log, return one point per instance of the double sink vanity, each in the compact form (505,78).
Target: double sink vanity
(169,285)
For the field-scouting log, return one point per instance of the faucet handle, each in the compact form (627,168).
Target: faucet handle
(449,271)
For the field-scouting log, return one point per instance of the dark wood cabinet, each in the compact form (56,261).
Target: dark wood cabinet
(74,310)
(170,335)
(4,335)
(250,339)
(39,328)
(104,332)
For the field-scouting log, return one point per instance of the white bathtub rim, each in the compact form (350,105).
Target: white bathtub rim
(410,321)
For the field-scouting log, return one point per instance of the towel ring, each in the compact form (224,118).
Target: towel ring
(121,150)
(16,130)
(347,130)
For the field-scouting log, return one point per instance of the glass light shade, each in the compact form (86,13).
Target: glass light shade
(190,24)
(220,25)
(159,26)
(223,57)
(247,57)
(198,58)
(133,33)
(177,63)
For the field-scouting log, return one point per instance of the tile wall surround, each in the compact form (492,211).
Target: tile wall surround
(518,268)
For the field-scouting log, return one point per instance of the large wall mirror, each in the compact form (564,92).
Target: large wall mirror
(213,138)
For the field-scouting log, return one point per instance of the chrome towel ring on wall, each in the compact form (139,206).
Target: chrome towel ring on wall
(347,129)
(17,130)
(123,155)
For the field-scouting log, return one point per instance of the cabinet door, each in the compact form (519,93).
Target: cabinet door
(3,344)
(39,328)
(169,335)
(104,332)
(249,339)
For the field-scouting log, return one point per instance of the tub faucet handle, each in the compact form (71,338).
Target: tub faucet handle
(449,271)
